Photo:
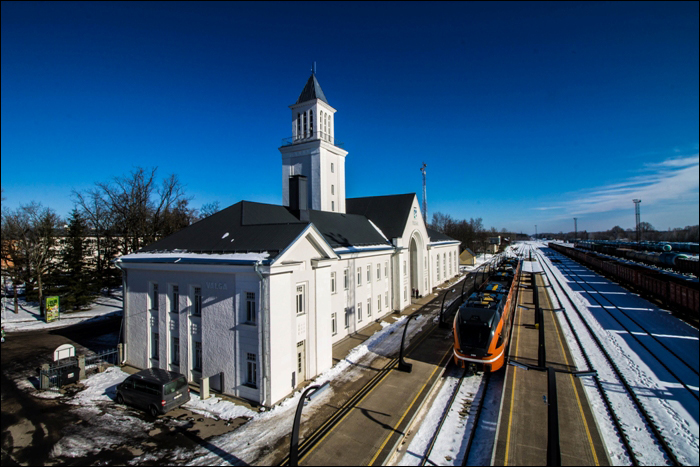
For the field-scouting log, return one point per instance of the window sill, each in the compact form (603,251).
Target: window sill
(250,385)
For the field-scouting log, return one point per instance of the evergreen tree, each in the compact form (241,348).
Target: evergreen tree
(75,278)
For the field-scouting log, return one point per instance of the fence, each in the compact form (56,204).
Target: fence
(73,369)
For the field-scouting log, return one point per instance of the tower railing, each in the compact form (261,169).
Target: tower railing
(311,136)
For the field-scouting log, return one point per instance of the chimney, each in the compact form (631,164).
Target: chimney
(298,197)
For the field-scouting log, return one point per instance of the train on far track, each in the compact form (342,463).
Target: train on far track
(482,323)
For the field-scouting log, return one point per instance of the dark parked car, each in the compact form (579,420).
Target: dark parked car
(155,390)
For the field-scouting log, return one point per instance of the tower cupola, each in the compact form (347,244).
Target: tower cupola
(313,152)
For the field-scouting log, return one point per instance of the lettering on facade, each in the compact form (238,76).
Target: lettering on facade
(216,285)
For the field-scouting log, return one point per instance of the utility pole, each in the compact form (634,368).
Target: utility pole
(425,196)
(636,215)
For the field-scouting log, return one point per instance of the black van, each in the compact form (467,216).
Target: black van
(155,390)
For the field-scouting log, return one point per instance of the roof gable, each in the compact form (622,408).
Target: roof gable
(389,213)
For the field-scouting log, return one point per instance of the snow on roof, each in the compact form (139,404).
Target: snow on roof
(187,257)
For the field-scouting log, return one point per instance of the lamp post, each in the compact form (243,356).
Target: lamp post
(403,366)
(294,443)
(442,308)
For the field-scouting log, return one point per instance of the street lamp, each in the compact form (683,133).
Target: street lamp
(440,323)
(403,366)
(294,443)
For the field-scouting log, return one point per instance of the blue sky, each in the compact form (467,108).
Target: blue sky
(526,113)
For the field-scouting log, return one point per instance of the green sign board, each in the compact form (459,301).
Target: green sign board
(51,309)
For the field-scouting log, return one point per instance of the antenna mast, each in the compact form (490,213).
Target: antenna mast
(425,196)
(636,215)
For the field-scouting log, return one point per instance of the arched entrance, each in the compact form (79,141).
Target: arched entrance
(416,262)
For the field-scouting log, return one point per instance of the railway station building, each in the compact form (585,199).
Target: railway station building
(251,299)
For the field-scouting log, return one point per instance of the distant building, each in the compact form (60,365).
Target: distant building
(466,258)
(252,298)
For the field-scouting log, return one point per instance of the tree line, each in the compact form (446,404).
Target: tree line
(471,233)
(73,257)
(648,233)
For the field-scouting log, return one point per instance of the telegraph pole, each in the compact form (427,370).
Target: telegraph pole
(425,196)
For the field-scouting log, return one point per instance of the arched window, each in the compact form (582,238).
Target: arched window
(298,125)
(303,125)
(311,122)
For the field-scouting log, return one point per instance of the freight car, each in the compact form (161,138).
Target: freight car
(666,259)
(676,292)
(481,325)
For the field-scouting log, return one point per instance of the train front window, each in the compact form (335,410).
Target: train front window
(475,336)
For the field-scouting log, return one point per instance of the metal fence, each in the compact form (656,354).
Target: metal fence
(73,369)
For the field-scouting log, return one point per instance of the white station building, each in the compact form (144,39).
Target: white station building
(251,299)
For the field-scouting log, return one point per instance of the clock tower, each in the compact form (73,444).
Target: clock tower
(313,151)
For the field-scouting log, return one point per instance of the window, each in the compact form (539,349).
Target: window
(175,300)
(251,315)
(252,370)
(311,122)
(379,303)
(386,269)
(404,267)
(154,296)
(438,268)
(359,276)
(298,125)
(333,206)
(347,318)
(386,299)
(369,307)
(334,325)
(333,282)
(197,302)
(332,167)
(175,351)
(359,312)
(444,266)
(154,345)
(379,271)
(332,189)
(197,356)
(369,273)
(405,294)
(301,305)
(345,278)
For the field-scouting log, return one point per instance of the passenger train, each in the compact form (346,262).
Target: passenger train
(482,324)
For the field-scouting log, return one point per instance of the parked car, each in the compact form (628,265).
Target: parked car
(154,390)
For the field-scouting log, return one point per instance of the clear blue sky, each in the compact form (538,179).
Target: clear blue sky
(526,113)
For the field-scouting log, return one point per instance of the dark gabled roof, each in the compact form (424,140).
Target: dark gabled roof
(436,236)
(311,91)
(248,227)
(389,213)
(245,227)
(346,230)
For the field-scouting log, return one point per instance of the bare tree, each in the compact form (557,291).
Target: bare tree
(31,230)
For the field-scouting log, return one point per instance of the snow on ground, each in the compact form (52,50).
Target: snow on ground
(29,318)
(674,409)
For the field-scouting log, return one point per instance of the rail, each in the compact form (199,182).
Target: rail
(315,136)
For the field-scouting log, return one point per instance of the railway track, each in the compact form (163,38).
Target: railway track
(609,389)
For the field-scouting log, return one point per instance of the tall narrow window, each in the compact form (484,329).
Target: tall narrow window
(154,297)
(175,351)
(154,345)
(252,370)
(345,278)
(369,307)
(197,356)
(298,126)
(197,302)
(333,206)
(251,315)
(311,122)
(333,282)
(386,269)
(332,167)
(301,305)
(359,276)
(175,300)
(334,325)
(379,271)
(386,299)
(369,273)
(438,268)
(359,312)
(379,303)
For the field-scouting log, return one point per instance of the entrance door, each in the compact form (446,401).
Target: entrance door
(301,361)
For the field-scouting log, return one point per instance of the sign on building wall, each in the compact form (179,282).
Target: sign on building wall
(52,313)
